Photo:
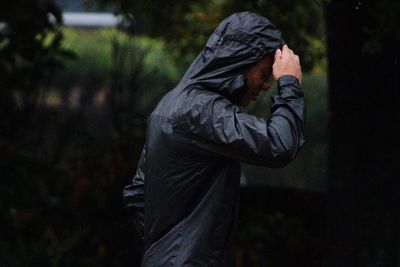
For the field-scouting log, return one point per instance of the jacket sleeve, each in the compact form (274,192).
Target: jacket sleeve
(218,127)
(133,196)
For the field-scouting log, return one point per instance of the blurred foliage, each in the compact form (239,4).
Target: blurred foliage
(383,26)
(146,68)
(62,179)
(30,49)
(61,194)
(186,25)
(280,227)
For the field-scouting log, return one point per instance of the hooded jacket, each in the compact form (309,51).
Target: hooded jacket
(185,193)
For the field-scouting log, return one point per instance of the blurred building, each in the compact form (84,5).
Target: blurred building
(86,14)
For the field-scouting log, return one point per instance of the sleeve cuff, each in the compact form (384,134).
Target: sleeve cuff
(289,85)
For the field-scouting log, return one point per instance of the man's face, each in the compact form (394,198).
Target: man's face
(258,78)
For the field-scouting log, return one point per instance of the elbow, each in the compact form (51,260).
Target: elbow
(280,160)
(285,153)
(286,140)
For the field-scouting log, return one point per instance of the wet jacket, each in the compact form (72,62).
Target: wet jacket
(185,193)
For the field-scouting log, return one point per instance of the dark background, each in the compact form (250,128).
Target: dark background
(73,109)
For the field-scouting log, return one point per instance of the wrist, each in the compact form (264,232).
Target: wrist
(287,79)
(288,85)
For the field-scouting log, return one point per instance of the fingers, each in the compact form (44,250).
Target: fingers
(288,53)
(285,51)
(296,57)
(278,54)
(286,63)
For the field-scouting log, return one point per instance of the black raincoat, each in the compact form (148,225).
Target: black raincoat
(186,189)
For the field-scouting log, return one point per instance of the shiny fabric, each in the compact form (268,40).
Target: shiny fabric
(185,194)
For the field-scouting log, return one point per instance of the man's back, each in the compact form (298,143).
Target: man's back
(196,192)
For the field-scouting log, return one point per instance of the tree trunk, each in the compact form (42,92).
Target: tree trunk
(363,189)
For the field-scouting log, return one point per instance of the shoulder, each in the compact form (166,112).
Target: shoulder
(198,108)
(201,100)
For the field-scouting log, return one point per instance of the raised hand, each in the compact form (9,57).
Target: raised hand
(286,63)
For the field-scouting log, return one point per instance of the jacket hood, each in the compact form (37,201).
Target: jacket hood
(236,44)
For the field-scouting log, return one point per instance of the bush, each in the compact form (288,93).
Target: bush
(143,64)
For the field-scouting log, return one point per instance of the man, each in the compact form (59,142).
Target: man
(188,175)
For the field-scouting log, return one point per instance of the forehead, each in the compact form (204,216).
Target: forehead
(266,62)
